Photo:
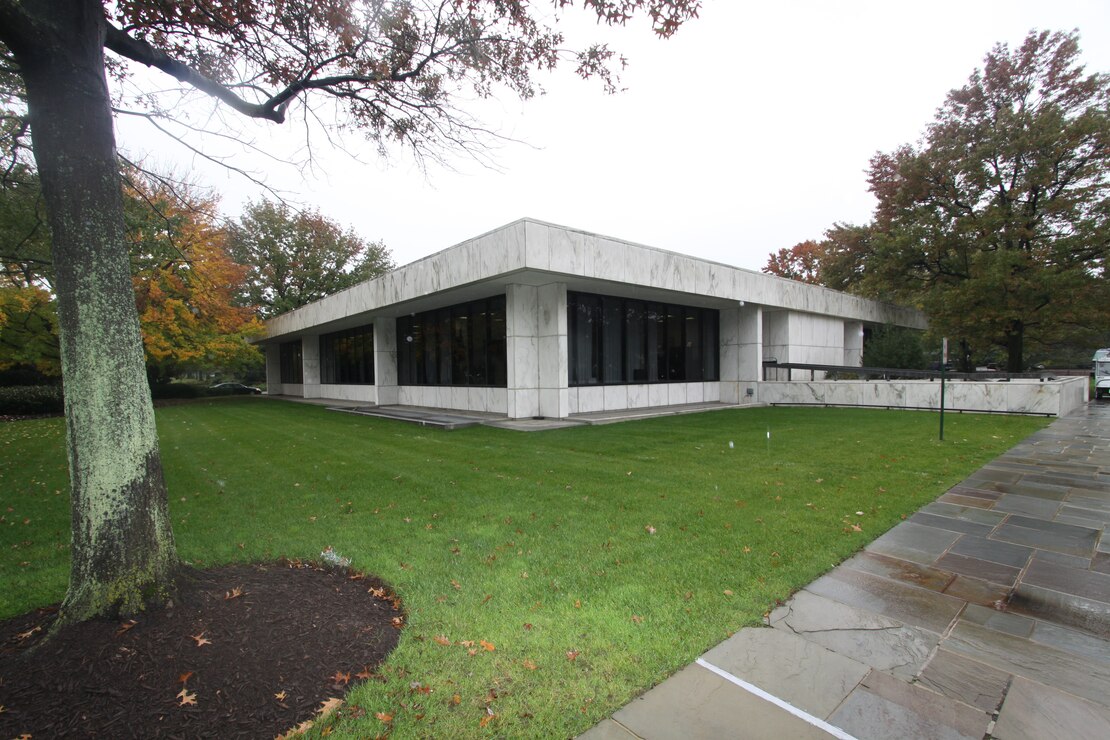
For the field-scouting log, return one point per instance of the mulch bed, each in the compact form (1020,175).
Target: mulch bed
(244,651)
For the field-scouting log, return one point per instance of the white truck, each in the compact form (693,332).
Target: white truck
(1102,372)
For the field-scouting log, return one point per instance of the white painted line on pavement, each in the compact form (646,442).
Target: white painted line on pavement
(800,714)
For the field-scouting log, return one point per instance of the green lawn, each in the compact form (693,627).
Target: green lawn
(630,548)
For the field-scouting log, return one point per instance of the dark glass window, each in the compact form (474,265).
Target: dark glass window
(292,370)
(457,345)
(624,340)
(347,357)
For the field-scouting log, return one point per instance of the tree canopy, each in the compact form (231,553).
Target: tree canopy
(997,224)
(394,70)
(293,258)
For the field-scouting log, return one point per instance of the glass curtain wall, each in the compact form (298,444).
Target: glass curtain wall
(292,369)
(626,340)
(347,357)
(462,344)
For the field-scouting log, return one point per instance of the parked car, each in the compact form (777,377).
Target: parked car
(1101,367)
(235,389)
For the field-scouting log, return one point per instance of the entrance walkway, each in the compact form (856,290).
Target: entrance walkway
(986,614)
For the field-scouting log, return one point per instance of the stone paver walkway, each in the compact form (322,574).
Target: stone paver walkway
(986,614)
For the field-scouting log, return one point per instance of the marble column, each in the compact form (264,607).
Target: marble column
(273,368)
(310,361)
(522,352)
(385,361)
(554,400)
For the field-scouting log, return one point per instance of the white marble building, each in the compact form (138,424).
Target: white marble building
(534,319)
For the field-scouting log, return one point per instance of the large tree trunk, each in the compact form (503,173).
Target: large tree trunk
(123,552)
(1015,347)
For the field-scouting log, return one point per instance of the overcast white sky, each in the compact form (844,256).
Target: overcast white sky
(748,131)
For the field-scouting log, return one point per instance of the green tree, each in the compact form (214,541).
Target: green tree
(393,70)
(294,258)
(998,224)
(894,347)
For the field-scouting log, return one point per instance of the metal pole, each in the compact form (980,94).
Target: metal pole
(943,371)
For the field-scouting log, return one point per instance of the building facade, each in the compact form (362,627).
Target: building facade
(538,320)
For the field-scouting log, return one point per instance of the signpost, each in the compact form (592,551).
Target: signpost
(943,370)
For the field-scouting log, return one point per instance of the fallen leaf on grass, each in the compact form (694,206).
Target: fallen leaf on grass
(637,618)
(201,639)
(327,706)
(572,655)
(442,639)
(384,716)
(488,718)
(529,664)
(487,645)
(363,674)
(455,584)
(466,643)
(186,697)
(728,592)
(649,529)
(456,699)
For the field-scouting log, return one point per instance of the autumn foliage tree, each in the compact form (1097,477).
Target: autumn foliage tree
(292,258)
(186,283)
(392,70)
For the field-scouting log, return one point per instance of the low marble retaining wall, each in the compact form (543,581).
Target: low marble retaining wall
(1019,396)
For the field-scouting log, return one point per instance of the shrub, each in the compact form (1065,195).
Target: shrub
(31,399)
(176,390)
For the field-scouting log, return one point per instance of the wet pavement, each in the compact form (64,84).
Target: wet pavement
(985,615)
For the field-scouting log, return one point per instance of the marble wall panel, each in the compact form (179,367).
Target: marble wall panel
(310,359)
(1030,397)
(676,393)
(523,362)
(366,393)
(551,301)
(310,390)
(729,360)
(657,394)
(552,362)
(496,400)
(729,392)
(521,309)
(537,245)
(566,252)
(591,398)
(526,402)
(572,400)
(292,389)
(695,393)
(853,343)
(711,392)
(605,259)
(615,397)
(638,396)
